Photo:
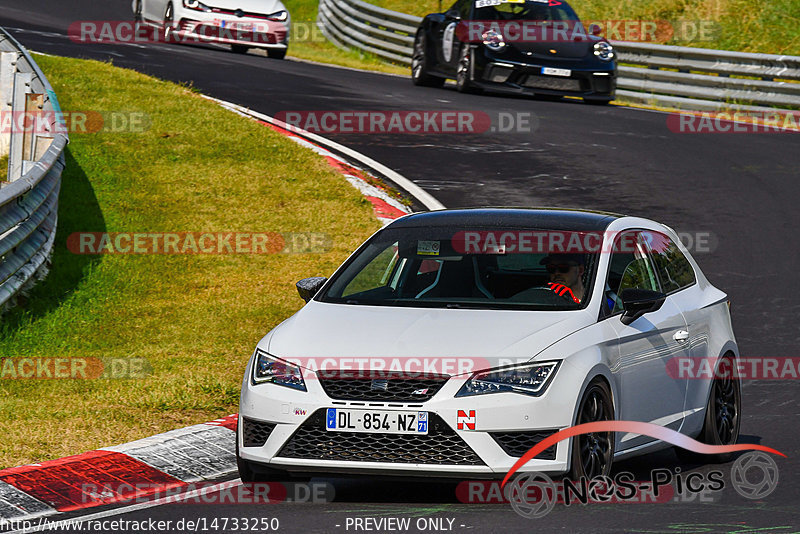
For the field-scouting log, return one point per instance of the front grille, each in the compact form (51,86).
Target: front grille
(442,446)
(380,386)
(552,83)
(518,443)
(255,433)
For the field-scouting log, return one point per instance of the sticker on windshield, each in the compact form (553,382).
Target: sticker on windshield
(428,248)
(488,3)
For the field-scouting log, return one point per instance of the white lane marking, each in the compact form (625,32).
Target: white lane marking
(132,508)
(425,198)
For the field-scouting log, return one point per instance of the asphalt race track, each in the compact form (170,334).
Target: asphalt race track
(740,189)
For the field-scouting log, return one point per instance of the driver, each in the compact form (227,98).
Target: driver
(566,274)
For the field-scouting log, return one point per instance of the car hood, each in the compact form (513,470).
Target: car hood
(265,7)
(489,337)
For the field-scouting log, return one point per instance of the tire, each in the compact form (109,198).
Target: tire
(419,64)
(595,101)
(723,415)
(276,53)
(593,454)
(463,70)
(169,26)
(239,49)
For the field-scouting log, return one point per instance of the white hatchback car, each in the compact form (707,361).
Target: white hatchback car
(242,24)
(453,341)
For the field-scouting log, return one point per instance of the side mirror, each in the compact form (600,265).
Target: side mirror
(594,29)
(637,302)
(308,287)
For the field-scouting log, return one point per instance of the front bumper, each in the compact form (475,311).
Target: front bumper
(289,430)
(194,26)
(529,79)
(515,72)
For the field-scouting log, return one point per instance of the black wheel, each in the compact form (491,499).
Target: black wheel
(596,101)
(592,454)
(419,64)
(169,25)
(239,49)
(723,414)
(276,53)
(464,71)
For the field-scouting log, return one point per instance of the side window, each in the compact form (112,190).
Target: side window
(629,268)
(674,270)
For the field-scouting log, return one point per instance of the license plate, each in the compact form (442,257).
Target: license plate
(556,72)
(242,26)
(376,421)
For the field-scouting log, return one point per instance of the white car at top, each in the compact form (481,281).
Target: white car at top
(242,24)
(447,346)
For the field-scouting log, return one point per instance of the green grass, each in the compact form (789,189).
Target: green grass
(306,42)
(194,318)
(3,168)
(744,25)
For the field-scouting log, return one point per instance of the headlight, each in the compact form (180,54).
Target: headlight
(280,16)
(493,40)
(196,5)
(529,378)
(268,368)
(604,51)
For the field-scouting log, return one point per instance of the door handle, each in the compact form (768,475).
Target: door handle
(681,335)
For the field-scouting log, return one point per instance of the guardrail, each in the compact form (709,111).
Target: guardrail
(673,76)
(35,150)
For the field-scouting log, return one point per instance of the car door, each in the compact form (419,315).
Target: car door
(447,37)
(647,392)
(679,282)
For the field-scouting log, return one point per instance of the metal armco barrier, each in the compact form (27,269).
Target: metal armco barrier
(29,196)
(705,79)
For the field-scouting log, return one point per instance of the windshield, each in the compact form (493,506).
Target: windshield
(536,10)
(473,268)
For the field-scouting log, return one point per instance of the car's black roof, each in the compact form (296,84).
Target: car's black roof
(545,218)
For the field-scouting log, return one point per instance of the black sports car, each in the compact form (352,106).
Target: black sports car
(519,46)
